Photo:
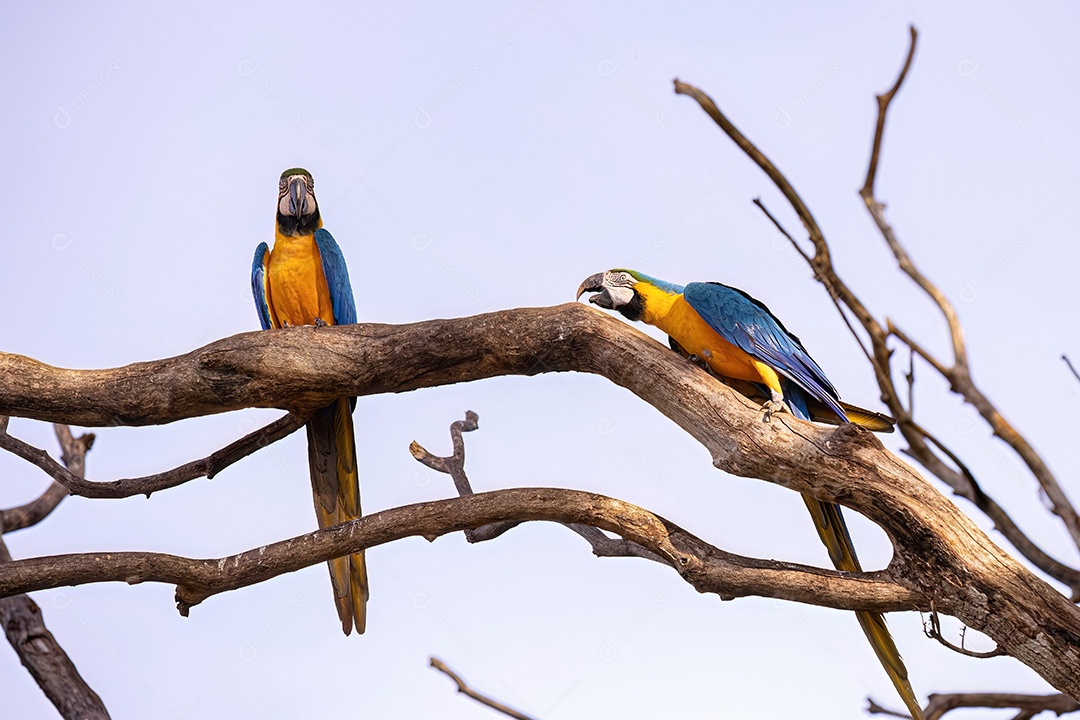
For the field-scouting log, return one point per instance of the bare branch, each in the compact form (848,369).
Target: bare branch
(933,630)
(1029,705)
(938,551)
(966,486)
(1071,368)
(706,568)
(35,511)
(883,106)
(874,709)
(43,657)
(463,688)
(454,465)
(958,375)
(21,618)
(206,467)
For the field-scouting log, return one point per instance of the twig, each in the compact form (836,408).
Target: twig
(454,465)
(73,453)
(463,688)
(1071,368)
(828,285)
(206,467)
(933,630)
(883,105)
(874,709)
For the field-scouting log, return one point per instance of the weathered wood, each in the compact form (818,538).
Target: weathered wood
(939,552)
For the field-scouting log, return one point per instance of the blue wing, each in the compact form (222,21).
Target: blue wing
(337,278)
(258,286)
(750,326)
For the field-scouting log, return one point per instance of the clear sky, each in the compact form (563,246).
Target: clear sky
(471,158)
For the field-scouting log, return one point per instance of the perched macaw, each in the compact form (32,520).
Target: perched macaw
(304,281)
(745,345)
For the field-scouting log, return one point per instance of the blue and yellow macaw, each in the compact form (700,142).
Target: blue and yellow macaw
(304,281)
(740,341)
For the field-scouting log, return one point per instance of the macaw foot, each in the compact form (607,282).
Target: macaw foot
(776,404)
(319,322)
(285,325)
(697,360)
(769,408)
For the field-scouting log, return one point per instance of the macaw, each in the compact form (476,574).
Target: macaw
(304,281)
(739,340)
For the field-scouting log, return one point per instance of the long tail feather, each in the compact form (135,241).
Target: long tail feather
(336,489)
(834,534)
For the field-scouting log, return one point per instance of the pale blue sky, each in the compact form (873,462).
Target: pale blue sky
(470,158)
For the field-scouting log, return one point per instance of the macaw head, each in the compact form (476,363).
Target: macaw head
(628,291)
(297,210)
(615,290)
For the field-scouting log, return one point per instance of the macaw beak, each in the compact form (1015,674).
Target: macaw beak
(298,196)
(593,283)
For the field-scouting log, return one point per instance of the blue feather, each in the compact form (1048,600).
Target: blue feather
(258,286)
(337,278)
(750,326)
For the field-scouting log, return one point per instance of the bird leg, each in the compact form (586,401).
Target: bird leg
(776,404)
(319,322)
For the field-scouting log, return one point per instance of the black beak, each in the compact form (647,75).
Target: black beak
(298,196)
(593,283)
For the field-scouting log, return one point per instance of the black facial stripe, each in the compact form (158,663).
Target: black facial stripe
(633,310)
(305,225)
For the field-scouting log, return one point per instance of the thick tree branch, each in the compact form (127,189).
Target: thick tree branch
(1029,705)
(21,618)
(45,660)
(705,567)
(939,552)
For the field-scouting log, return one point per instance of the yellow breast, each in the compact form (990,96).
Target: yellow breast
(298,289)
(672,314)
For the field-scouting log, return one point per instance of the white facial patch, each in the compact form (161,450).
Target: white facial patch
(620,295)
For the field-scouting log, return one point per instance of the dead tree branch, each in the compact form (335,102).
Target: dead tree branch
(921,443)
(206,467)
(21,618)
(463,688)
(933,631)
(958,373)
(454,465)
(1029,705)
(938,552)
(706,568)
